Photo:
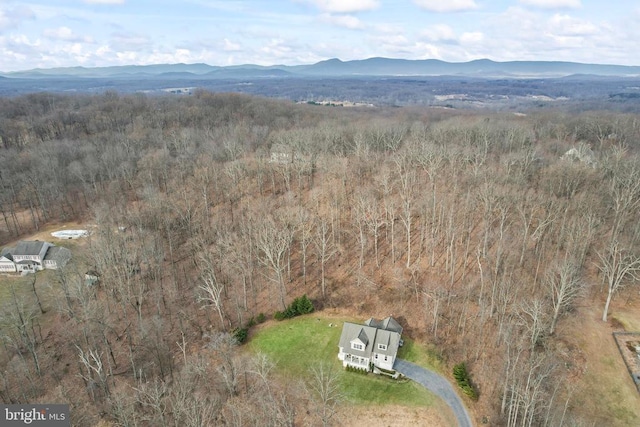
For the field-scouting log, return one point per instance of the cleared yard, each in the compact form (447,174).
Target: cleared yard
(297,344)
(603,389)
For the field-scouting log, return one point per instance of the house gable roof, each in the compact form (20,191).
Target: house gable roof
(362,337)
(391,341)
(354,332)
(58,254)
(28,247)
(388,324)
(371,334)
(5,254)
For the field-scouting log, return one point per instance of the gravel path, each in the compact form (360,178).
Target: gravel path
(438,385)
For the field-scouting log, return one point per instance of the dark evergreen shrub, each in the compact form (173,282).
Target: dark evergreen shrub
(251,322)
(300,305)
(464,382)
(240,334)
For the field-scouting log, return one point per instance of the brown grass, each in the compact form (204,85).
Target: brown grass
(604,392)
(437,416)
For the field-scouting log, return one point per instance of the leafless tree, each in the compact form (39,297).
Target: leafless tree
(194,400)
(359,219)
(625,188)
(95,373)
(230,367)
(564,285)
(325,388)
(406,174)
(534,319)
(153,395)
(22,330)
(305,232)
(528,395)
(273,243)
(617,265)
(211,288)
(123,409)
(433,303)
(274,404)
(325,249)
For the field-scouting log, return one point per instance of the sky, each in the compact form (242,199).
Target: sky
(96,33)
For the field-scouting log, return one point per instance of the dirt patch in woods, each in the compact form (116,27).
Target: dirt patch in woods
(44,234)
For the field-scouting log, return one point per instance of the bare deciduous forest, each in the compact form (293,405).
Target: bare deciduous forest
(478,230)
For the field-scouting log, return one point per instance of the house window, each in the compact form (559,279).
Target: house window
(382,346)
(357,346)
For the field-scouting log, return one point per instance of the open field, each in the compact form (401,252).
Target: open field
(603,388)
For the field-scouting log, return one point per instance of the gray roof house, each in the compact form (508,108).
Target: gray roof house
(371,345)
(32,256)
(29,255)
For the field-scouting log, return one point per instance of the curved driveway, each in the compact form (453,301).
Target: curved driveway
(436,384)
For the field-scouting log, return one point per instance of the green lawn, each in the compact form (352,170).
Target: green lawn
(45,287)
(295,345)
(421,355)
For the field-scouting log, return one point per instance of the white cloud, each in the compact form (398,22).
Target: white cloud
(277,48)
(104,1)
(471,37)
(65,34)
(439,33)
(525,34)
(386,28)
(346,21)
(229,46)
(11,18)
(446,5)
(552,4)
(570,26)
(344,6)
(129,41)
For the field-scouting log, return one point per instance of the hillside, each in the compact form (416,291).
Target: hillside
(364,67)
(471,228)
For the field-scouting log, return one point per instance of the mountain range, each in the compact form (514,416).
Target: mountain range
(380,67)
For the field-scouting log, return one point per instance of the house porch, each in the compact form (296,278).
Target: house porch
(355,361)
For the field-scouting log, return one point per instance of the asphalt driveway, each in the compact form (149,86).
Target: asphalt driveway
(438,385)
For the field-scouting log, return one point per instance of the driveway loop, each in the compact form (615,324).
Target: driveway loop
(438,385)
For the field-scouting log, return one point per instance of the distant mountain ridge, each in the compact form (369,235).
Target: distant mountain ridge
(483,68)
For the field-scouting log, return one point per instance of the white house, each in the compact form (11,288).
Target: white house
(372,345)
(29,255)
(32,256)
(6,263)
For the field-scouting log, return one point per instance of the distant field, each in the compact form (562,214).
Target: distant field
(298,344)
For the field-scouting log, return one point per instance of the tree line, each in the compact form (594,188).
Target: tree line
(476,228)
